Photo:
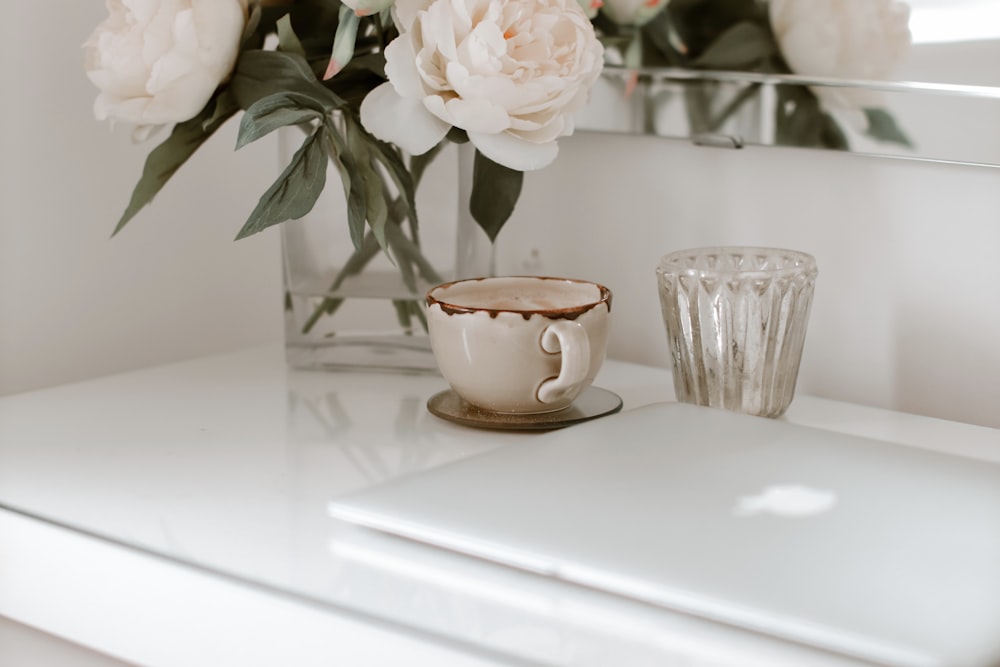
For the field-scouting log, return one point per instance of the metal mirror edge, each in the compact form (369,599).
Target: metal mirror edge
(938,121)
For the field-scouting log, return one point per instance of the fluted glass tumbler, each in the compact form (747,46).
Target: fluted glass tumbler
(736,322)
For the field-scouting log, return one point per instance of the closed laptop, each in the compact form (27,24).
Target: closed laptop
(871,549)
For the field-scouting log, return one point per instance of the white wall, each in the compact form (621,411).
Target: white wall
(906,315)
(172,285)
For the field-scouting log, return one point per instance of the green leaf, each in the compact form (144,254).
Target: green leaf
(403,316)
(260,74)
(390,158)
(740,47)
(418,310)
(278,110)
(633,53)
(356,263)
(495,191)
(353,188)
(694,25)
(223,107)
(832,135)
(395,237)
(249,31)
(457,135)
(164,160)
(404,180)
(801,121)
(371,181)
(315,22)
(409,252)
(288,41)
(883,127)
(296,190)
(343,41)
(658,50)
(419,163)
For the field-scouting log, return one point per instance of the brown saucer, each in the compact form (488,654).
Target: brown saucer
(592,403)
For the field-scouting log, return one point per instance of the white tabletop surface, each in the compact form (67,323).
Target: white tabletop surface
(223,467)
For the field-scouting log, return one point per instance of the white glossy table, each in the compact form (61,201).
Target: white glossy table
(177,516)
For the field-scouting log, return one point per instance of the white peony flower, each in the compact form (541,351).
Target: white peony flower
(508,72)
(852,39)
(159,61)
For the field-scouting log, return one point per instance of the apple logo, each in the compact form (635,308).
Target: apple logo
(787,500)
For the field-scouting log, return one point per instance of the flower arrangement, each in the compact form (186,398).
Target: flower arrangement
(378,86)
(376,90)
(861,40)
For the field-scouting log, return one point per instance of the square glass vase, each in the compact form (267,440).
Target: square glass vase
(349,308)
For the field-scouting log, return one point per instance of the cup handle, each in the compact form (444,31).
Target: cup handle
(569,338)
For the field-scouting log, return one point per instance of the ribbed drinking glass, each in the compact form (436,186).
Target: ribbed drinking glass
(736,322)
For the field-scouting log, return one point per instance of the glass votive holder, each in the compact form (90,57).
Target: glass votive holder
(736,322)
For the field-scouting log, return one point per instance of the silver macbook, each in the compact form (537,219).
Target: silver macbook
(875,550)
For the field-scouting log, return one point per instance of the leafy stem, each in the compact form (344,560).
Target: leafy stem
(406,252)
(358,260)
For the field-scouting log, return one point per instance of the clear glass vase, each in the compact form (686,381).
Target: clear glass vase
(359,309)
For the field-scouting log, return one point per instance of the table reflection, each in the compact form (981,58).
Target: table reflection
(354,433)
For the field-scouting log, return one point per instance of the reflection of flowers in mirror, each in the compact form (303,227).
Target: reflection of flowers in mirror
(846,39)
(632,12)
(859,39)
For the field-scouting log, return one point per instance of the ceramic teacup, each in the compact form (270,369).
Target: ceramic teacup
(520,344)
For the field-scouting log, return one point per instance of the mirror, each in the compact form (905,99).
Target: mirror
(943,102)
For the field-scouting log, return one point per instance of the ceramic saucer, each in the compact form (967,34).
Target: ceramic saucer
(592,403)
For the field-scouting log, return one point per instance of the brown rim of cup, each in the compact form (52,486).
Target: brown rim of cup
(570,313)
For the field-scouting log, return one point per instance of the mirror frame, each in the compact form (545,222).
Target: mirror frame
(625,102)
